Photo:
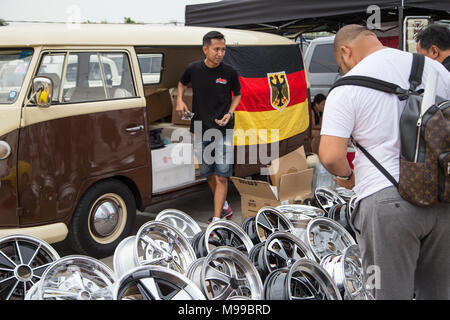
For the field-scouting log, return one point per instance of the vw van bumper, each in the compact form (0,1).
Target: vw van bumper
(50,233)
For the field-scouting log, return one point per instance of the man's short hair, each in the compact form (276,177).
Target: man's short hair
(434,34)
(348,33)
(212,35)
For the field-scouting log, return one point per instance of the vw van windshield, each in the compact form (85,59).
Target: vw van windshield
(13,68)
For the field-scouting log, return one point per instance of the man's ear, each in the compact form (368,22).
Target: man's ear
(345,51)
(434,52)
(205,49)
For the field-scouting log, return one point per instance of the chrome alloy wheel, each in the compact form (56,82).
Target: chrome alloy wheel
(326,198)
(158,243)
(249,226)
(123,259)
(155,283)
(23,260)
(107,218)
(351,205)
(77,277)
(194,271)
(281,249)
(32,294)
(309,211)
(226,233)
(324,236)
(345,193)
(347,272)
(227,272)
(181,221)
(270,220)
(300,215)
(304,280)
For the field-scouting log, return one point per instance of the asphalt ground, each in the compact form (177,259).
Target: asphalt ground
(198,205)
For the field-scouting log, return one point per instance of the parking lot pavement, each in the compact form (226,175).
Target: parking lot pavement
(198,205)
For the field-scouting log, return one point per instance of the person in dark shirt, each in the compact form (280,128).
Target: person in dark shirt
(316,121)
(216,95)
(434,42)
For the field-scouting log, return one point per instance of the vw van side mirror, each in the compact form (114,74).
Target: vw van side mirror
(42,91)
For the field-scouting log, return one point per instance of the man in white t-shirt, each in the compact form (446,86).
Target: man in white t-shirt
(405,249)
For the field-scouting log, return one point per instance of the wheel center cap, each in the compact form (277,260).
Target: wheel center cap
(23,272)
(234,283)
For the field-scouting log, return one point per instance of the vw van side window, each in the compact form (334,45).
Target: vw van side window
(151,66)
(93,76)
(118,77)
(84,80)
(52,67)
(323,60)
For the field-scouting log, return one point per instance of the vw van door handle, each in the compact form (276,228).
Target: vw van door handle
(135,129)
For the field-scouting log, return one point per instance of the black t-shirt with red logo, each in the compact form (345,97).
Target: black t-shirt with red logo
(212,92)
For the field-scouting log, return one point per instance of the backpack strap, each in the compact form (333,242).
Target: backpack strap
(415,79)
(372,83)
(375,163)
(415,76)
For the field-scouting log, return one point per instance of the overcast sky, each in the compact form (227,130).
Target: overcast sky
(146,11)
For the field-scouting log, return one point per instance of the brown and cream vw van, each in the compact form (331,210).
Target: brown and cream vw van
(87,122)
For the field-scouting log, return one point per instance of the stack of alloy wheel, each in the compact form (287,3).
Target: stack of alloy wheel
(302,253)
(294,252)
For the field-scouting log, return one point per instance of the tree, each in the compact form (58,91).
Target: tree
(128,20)
(3,23)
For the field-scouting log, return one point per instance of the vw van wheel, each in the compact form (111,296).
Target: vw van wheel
(104,216)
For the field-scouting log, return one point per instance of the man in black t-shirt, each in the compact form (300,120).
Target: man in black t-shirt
(434,42)
(216,95)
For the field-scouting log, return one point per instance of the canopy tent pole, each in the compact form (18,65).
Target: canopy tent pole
(400,25)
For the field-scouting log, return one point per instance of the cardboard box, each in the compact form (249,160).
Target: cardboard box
(159,105)
(294,188)
(187,98)
(291,183)
(294,161)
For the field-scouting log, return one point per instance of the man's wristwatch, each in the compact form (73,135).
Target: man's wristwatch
(231,114)
(345,178)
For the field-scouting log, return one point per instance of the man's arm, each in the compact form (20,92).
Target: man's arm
(333,156)
(235,100)
(181,106)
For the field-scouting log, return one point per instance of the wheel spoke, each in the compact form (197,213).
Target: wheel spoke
(19,253)
(7,279)
(40,269)
(265,223)
(58,293)
(278,254)
(149,289)
(152,261)
(212,274)
(12,290)
(7,259)
(226,293)
(7,270)
(34,254)
(153,244)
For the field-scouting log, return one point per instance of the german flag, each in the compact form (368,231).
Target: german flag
(274,101)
